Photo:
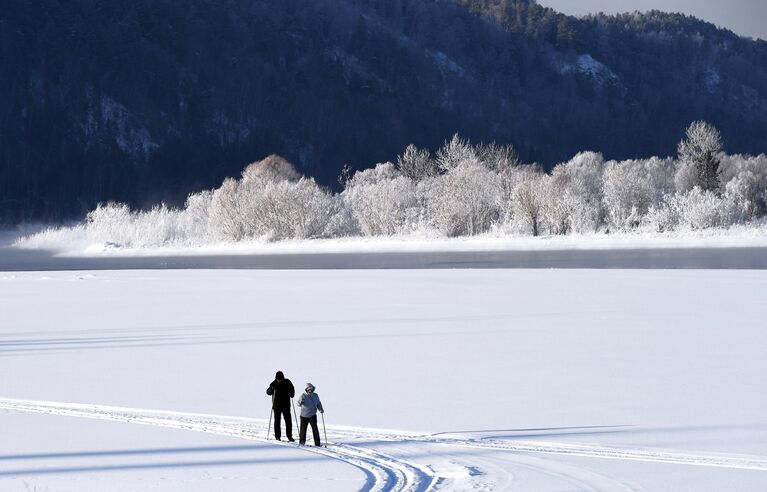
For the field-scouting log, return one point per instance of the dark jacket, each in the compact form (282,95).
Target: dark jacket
(283,391)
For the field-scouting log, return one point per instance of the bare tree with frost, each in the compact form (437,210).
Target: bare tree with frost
(225,218)
(574,200)
(585,191)
(498,158)
(282,209)
(456,152)
(660,173)
(272,168)
(698,152)
(272,202)
(302,209)
(508,180)
(382,201)
(468,200)
(628,193)
(417,164)
(528,203)
(194,219)
(557,206)
(745,181)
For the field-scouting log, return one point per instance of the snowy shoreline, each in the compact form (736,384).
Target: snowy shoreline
(736,237)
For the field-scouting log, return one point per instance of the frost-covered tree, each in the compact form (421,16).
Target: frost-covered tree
(628,193)
(116,225)
(427,192)
(276,210)
(109,223)
(417,164)
(271,202)
(632,188)
(585,171)
(456,152)
(272,168)
(194,219)
(225,220)
(694,210)
(698,153)
(528,203)
(661,174)
(303,208)
(577,186)
(745,182)
(382,201)
(468,200)
(508,180)
(557,205)
(498,158)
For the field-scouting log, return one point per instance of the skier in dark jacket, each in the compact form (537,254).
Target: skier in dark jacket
(281,390)
(310,403)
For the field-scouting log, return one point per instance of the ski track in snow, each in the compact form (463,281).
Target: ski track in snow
(385,472)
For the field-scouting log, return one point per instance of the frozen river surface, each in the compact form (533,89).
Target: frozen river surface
(749,258)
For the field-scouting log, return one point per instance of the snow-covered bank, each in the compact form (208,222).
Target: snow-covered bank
(604,371)
(79,242)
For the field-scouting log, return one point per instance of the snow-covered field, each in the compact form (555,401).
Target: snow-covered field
(541,380)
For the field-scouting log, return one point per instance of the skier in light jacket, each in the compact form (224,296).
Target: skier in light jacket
(309,401)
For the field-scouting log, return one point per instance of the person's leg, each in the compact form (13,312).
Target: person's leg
(277,429)
(315,431)
(302,430)
(288,424)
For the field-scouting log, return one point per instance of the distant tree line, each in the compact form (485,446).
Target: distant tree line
(462,190)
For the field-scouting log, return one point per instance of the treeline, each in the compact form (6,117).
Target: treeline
(463,189)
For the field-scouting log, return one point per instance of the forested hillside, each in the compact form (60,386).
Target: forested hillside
(149,100)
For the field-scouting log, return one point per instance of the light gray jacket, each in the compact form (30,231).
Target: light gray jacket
(309,404)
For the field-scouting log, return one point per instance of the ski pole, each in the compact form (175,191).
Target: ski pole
(323,428)
(295,415)
(271,411)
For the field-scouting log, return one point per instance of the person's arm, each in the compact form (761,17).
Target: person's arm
(292,389)
(319,404)
(270,389)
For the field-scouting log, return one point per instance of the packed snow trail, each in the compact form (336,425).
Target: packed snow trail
(608,452)
(386,472)
(743,462)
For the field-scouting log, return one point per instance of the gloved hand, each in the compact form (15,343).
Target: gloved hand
(322,411)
